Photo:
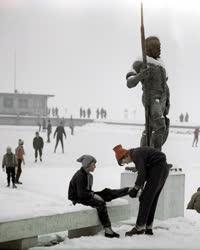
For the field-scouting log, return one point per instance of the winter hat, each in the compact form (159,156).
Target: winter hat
(8,149)
(120,152)
(20,142)
(86,160)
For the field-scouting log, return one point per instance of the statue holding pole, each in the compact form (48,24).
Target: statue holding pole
(150,71)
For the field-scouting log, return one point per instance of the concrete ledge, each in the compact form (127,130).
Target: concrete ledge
(85,218)
(22,244)
(76,233)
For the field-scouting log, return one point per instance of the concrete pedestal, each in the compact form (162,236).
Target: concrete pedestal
(171,200)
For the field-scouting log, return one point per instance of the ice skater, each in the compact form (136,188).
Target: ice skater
(59,132)
(38,145)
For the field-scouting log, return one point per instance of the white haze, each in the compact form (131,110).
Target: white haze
(81,51)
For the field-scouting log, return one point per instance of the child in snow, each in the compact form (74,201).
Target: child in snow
(19,153)
(10,162)
(80,191)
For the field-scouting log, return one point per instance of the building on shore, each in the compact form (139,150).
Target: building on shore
(21,104)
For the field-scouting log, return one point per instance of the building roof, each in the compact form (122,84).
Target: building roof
(25,94)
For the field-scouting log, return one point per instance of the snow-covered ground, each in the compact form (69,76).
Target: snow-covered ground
(45,184)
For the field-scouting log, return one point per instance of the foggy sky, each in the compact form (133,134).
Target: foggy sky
(81,51)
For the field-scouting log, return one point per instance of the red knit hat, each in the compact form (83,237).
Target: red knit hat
(120,152)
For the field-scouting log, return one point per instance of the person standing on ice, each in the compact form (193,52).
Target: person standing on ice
(49,130)
(153,171)
(59,132)
(10,162)
(80,191)
(155,92)
(19,153)
(196,137)
(38,145)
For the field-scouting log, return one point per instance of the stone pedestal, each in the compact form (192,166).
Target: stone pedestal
(171,200)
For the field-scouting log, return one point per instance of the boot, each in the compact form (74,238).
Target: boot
(14,186)
(134,231)
(149,231)
(109,233)
(35,159)
(40,158)
(8,185)
(18,182)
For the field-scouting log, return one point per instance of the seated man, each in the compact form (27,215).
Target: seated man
(80,191)
(195,201)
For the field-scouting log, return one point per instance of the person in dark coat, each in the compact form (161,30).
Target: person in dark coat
(43,124)
(71,125)
(38,145)
(10,162)
(195,201)
(196,137)
(80,191)
(152,171)
(59,132)
(49,130)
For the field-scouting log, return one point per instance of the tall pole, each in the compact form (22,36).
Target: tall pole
(15,89)
(144,57)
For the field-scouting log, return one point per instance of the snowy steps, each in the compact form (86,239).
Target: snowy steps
(23,234)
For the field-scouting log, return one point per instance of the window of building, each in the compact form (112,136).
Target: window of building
(23,103)
(8,102)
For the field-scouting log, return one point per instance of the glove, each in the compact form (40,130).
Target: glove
(97,197)
(133,192)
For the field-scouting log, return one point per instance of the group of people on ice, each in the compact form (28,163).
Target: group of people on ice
(12,162)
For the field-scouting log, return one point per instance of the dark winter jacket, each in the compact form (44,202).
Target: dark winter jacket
(195,201)
(146,158)
(38,142)
(80,186)
(9,161)
(49,128)
(60,131)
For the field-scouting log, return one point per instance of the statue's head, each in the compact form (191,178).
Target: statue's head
(153,47)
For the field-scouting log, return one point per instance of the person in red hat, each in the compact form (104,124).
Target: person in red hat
(152,171)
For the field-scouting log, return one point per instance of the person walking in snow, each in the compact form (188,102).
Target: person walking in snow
(195,201)
(196,137)
(155,92)
(152,171)
(49,130)
(19,154)
(59,132)
(38,145)
(10,162)
(80,191)
(71,125)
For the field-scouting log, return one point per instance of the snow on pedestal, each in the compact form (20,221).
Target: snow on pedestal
(171,200)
